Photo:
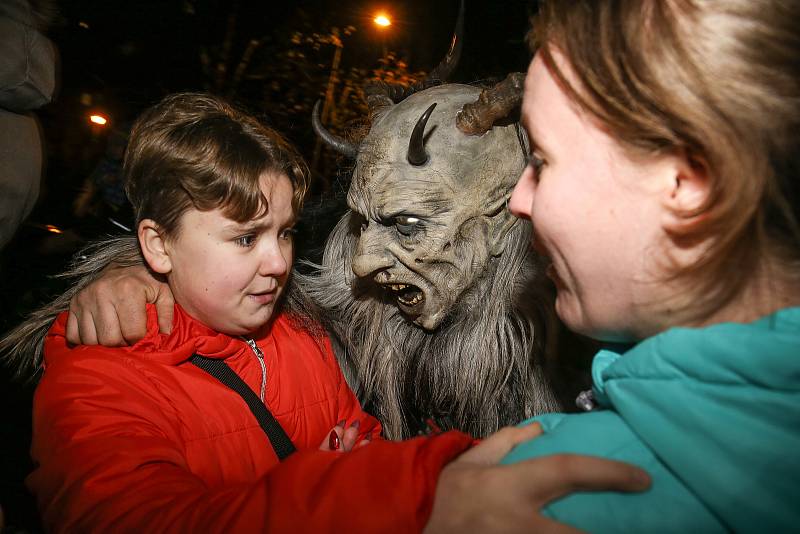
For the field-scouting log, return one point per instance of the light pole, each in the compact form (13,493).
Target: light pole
(382,21)
(327,104)
(337,58)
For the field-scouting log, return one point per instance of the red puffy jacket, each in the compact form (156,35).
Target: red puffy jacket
(139,439)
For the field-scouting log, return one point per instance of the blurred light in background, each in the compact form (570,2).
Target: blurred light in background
(98,119)
(381,19)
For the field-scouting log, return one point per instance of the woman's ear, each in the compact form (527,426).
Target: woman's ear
(687,193)
(154,249)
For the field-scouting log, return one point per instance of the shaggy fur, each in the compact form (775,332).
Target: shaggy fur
(22,347)
(478,371)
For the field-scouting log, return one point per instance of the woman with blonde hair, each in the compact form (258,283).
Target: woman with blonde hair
(663,185)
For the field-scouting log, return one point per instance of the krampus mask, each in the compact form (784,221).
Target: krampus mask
(428,284)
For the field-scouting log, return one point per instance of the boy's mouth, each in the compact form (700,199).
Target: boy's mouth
(263,298)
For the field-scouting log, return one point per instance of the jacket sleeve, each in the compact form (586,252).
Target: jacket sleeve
(668,506)
(349,409)
(109,458)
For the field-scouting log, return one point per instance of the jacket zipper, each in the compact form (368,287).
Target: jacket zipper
(260,357)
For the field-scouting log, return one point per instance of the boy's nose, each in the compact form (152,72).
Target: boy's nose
(274,263)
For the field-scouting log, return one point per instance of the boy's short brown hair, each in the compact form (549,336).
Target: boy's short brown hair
(194,150)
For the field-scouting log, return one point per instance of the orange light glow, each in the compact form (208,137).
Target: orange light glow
(54,229)
(98,119)
(382,20)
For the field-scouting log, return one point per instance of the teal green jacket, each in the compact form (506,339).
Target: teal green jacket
(713,414)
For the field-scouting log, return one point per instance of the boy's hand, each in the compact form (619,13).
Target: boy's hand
(111,310)
(474,494)
(343,438)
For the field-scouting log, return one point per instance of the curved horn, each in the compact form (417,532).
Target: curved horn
(494,103)
(448,64)
(337,143)
(416,146)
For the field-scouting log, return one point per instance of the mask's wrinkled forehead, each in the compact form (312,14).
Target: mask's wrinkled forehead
(481,167)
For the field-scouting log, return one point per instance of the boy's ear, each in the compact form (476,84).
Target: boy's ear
(154,249)
(686,193)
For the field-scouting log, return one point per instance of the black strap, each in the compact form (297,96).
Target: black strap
(221,371)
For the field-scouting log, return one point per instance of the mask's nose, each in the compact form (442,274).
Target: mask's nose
(371,254)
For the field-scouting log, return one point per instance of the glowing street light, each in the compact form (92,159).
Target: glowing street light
(382,20)
(98,119)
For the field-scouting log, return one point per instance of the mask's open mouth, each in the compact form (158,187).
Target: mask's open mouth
(407,295)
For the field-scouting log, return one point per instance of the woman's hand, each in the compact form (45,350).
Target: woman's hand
(476,495)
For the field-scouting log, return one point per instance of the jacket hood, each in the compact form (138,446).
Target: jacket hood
(720,406)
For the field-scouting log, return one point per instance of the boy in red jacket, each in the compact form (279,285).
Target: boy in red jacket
(140,438)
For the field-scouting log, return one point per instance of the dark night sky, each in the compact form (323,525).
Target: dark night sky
(134,52)
(128,55)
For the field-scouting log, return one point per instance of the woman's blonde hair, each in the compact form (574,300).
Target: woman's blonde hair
(716,80)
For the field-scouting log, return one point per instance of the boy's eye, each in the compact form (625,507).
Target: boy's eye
(246,240)
(405,224)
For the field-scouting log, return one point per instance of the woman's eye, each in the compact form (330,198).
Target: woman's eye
(536,162)
(246,240)
(405,224)
(288,234)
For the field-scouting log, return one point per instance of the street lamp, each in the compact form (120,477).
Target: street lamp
(382,20)
(98,119)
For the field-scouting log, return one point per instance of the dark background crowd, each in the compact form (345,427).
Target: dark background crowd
(274,58)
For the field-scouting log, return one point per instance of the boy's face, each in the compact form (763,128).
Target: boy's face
(230,275)
(596,213)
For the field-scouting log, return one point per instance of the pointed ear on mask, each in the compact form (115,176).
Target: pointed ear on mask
(502,223)
(687,191)
(154,246)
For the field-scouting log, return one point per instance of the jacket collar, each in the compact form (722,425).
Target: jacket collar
(188,336)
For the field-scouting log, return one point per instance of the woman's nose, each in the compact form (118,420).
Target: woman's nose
(522,196)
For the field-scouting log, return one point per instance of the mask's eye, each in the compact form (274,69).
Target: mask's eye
(288,234)
(405,224)
(360,222)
